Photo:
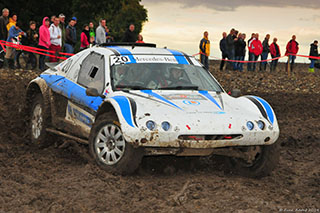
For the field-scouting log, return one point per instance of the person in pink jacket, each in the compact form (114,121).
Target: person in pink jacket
(44,40)
(85,36)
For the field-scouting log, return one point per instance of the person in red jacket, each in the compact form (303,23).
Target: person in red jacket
(291,50)
(255,47)
(275,53)
(44,40)
(84,37)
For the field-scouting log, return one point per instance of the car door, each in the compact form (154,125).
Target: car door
(81,108)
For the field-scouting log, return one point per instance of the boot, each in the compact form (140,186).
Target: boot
(311,69)
(11,64)
(6,63)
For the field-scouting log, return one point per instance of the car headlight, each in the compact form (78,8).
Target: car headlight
(261,125)
(250,125)
(151,125)
(165,125)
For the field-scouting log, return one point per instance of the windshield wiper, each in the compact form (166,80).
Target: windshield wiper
(192,87)
(132,87)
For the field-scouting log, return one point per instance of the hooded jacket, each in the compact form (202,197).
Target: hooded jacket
(255,47)
(11,23)
(292,47)
(44,38)
(205,46)
(273,50)
(314,50)
(55,32)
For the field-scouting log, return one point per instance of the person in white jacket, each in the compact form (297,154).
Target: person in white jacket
(101,32)
(55,38)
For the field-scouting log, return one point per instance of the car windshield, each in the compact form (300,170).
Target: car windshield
(162,76)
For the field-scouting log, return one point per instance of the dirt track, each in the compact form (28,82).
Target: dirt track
(64,178)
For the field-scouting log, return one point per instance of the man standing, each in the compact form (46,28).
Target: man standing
(250,56)
(223,49)
(265,52)
(255,49)
(55,38)
(313,52)
(240,51)
(3,25)
(231,38)
(101,32)
(71,37)
(130,35)
(62,25)
(205,50)
(291,51)
(275,53)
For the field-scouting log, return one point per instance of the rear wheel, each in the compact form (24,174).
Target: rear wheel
(263,160)
(109,148)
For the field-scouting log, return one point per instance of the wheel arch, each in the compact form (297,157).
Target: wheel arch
(107,107)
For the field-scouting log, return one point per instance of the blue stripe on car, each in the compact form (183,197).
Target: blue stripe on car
(267,107)
(124,51)
(181,59)
(71,90)
(125,108)
(207,95)
(150,92)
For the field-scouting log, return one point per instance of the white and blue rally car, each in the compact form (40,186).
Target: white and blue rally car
(131,100)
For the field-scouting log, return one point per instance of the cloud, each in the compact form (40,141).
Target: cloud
(230,5)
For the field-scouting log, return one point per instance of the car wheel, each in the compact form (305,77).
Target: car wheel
(109,148)
(39,122)
(264,160)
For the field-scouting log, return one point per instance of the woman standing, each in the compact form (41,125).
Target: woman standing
(44,40)
(84,37)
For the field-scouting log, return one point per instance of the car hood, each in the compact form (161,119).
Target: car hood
(192,108)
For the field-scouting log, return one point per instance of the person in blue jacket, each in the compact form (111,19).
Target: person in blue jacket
(13,35)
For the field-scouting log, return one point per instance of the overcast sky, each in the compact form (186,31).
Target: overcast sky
(179,24)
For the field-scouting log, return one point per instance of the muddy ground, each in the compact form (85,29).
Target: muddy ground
(64,178)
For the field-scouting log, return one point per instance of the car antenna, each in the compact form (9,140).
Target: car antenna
(133,46)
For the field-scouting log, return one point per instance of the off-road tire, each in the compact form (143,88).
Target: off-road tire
(262,166)
(42,140)
(131,158)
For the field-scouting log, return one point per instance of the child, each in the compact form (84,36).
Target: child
(32,41)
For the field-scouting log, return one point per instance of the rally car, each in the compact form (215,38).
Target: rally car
(131,100)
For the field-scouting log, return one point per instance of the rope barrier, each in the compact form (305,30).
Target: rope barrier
(267,60)
(35,50)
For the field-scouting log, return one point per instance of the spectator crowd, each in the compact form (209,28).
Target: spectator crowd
(233,49)
(54,35)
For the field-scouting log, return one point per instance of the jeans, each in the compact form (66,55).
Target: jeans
(69,48)
(231,56)
(250,65)
(224,56)
(291,59)
(274,63)
(263,65)
(204,61)
(239,65)
(41,58)
(312,63)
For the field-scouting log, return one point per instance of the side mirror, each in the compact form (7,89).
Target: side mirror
(94,92)
(235,93)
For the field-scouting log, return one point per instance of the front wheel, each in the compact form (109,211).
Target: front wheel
(109,148)
(263,160)
(39,121)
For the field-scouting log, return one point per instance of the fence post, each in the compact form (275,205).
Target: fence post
(288,66)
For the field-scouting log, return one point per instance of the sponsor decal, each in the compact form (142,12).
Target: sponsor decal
(191,102)
(184,97)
